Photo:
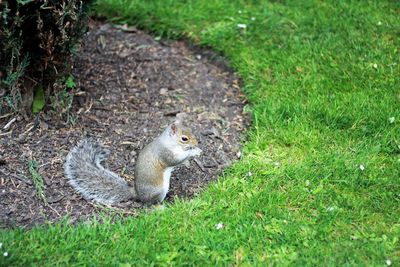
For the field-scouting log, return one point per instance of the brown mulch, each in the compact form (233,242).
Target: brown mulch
(131,87)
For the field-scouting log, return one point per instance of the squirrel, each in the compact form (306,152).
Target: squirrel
(85,172)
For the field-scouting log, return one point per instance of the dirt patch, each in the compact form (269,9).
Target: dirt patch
(131,88)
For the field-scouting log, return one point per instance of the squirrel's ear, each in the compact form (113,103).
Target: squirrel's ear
(173,128)
(180,118)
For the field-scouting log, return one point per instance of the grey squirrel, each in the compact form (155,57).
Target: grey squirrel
(84,170)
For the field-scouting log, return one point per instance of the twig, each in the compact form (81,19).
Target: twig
(44,164)
(199,164)
(12,181)
(5,115)
(51,162)
(6,133)
(29,129)
(9,123)
(53,209)
(172,112)
(90,106)
(17,177)
(101,108)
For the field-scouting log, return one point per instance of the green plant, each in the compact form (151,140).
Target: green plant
(36,42)
(37,180)
(61,102)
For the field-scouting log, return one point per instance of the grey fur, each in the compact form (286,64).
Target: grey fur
(152,172)
(87,176)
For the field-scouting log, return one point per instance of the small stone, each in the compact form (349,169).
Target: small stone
(163,91)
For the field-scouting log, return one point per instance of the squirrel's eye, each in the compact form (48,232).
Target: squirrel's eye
(184,138)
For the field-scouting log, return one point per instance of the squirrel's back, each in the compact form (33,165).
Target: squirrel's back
(86,174)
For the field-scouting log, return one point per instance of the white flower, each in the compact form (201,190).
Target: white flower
(1,245)
(253,18)
(249,174)
(5,254)
(277,164)
(330,209)
(375,66)
(219,226)
(379,23)
(391,119)
(238,154)
(240,11)
(362,167)
(242,26)
(388,262)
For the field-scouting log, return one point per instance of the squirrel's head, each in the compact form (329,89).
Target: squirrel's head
(182,135)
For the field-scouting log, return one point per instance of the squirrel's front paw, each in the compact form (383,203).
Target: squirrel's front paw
(196,151)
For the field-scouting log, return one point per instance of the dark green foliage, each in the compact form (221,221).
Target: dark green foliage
(37,39)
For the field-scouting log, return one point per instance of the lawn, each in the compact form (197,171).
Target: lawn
(319,181)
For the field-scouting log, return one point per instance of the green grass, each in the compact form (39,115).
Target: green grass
(322,78)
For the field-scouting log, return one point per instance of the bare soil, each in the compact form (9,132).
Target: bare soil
(130,88)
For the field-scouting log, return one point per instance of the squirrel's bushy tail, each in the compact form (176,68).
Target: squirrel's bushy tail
(86,174)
